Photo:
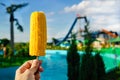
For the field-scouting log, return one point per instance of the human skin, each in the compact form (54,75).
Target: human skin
(30,70)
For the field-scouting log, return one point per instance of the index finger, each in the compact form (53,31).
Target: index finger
(25,66)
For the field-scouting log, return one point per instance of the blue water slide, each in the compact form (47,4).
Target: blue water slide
(69,32)
(58,42)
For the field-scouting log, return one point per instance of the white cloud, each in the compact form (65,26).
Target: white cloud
(101,13)
(50,13)
(49,16)
(50,19)
(115,26)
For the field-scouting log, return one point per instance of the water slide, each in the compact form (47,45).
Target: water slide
(57,42)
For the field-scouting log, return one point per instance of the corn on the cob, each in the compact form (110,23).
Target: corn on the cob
(38,34)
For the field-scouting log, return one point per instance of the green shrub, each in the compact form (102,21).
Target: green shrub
(73,60)
(100,67)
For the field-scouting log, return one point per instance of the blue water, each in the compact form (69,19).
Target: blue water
(55,65)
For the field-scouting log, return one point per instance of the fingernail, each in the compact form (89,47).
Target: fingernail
(35,62)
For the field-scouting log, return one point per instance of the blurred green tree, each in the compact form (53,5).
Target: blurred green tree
(88,66)
(73,60)
(100,67)
(22,50)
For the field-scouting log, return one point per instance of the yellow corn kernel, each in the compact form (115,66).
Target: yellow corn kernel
(38,34)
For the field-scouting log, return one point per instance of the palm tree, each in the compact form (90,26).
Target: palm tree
(10,10)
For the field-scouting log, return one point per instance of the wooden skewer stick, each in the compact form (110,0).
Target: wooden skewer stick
(37,57)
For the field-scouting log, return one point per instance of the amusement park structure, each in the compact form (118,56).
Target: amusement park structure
(110,33)
(105,33)
(68,35)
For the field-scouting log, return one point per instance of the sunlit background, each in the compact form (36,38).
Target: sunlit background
(60,16)
(99,16)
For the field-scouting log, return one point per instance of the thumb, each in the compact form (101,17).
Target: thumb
(34,66)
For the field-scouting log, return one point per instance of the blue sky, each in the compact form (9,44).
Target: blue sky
(60,15)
